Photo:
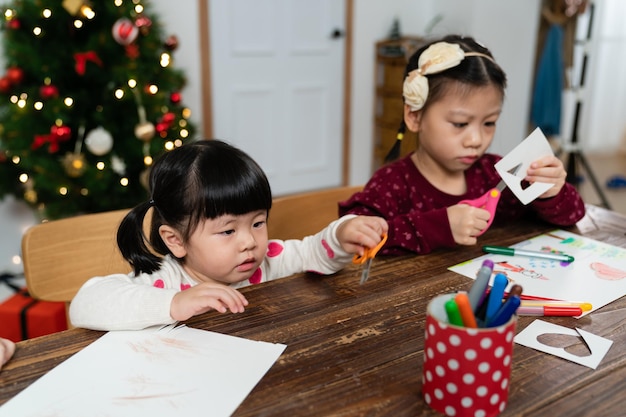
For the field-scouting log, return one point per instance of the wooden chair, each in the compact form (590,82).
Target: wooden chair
(60,255)
(299,215)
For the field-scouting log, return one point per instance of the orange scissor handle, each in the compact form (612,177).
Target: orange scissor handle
(369,253)
(489,202)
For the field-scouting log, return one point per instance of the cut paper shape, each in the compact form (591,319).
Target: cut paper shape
(171,371)
(535,146)
(598,346)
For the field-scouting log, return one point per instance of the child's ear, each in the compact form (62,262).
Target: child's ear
(412,118)
(172,239)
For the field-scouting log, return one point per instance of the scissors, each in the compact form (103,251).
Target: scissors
(489,200)
(366,258)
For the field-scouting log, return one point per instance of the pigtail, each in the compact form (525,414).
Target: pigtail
(131,241)
(394,152)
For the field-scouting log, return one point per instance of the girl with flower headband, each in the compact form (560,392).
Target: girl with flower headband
(453,94)
(208,236)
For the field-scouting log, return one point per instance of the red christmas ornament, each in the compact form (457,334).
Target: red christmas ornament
(168,118)
(5,85)
(175,97)
(171,43)
(48,91)
(14,24)
(124,31)
(15,74)
(132,51)
(143,23)
(161,127)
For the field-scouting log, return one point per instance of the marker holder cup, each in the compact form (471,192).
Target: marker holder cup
(466,371)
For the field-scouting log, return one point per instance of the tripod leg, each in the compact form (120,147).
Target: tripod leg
(594,181)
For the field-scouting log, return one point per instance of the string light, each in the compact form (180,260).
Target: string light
(124,181)
(68,101)
(63,190)
(37,31)
(46,13)
(119,94)
(78,24)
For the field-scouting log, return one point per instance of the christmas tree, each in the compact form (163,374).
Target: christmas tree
(89,98)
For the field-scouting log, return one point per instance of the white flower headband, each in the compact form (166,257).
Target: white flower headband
(436,58)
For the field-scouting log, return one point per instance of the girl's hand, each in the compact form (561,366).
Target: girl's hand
(7,348)
(204,297)
(361,232)
(550,170)
(466,222)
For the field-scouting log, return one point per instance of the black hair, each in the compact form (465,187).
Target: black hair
(199,180)
(473,71)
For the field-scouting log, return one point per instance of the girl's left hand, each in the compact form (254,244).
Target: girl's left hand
(361,232)
(548,169)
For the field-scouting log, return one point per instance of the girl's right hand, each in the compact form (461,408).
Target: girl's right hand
(204,297)
(466,222)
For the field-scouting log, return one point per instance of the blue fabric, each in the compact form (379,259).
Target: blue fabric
(546,103)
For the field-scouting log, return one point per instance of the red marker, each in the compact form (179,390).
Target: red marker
(549,311)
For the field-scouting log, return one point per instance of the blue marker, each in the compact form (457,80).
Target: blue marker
(497,293)
(477,292)
(506,311)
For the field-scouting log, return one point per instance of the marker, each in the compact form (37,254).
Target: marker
(516,289)
(537,303)
(505,312)
(501,250)
(549,311)
(462,301)
(477,291)
(495,297)
(452,310)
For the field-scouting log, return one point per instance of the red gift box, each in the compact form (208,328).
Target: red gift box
(22,317)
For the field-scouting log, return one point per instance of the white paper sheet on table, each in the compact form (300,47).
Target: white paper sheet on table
(597,275)
(172,371)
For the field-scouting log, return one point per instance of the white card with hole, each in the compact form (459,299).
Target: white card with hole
(598,346)
(534,147)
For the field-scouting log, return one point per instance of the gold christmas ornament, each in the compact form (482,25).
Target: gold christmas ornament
(72,6)
(144,131)
(74,164)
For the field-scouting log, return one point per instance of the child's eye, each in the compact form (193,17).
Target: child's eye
(228,232)
(258,225)
(490,124)
(459,125)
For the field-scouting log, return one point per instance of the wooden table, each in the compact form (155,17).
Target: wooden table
(358,350)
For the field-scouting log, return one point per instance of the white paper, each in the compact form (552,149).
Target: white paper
(172,371)
(598,346)
(597,275)
(534,147)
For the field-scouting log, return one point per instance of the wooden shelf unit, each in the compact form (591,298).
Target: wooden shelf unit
(391,59)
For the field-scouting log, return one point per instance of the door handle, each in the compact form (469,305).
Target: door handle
(337,34)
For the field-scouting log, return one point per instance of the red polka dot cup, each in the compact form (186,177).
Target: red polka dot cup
(466,371)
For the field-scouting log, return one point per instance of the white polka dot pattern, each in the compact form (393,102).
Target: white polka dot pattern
(466,372)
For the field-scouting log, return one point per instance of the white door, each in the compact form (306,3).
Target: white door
(277,86)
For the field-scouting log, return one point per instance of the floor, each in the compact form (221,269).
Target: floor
(603,167)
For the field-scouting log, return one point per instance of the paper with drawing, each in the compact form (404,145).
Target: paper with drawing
(175,371)
(597,275)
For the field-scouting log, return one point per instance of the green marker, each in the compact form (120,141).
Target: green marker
(454,315)
(502,250)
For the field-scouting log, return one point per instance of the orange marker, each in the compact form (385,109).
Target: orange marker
(462,301)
